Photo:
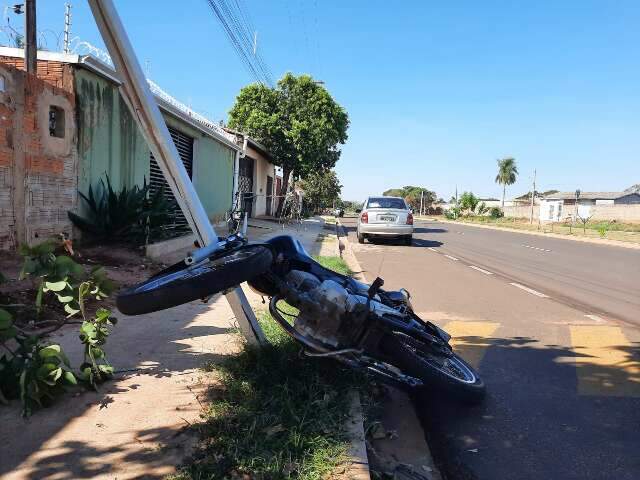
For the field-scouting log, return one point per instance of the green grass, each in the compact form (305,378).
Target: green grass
(275,414)
(334,263)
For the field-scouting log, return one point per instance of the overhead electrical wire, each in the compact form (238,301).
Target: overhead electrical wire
(236,23)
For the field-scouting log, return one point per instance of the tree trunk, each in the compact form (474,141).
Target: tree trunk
(504,191)
(286,173)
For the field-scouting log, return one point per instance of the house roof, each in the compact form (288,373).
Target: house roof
(252,142)
(165,101)
(587,195)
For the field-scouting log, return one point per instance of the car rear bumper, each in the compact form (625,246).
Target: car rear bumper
(384,229)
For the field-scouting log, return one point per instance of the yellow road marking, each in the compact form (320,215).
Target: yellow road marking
(470,339)
(604,363)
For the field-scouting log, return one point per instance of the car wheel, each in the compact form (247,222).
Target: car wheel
(360,238)
(408,239)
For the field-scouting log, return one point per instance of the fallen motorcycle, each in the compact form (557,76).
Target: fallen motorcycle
(362,326)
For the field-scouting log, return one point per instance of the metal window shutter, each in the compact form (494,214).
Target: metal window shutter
(184,145)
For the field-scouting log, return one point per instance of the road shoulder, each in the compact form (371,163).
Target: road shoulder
(596,241)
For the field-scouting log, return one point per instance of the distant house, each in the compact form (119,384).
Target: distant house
(490,201)
(559,206)
(256,179)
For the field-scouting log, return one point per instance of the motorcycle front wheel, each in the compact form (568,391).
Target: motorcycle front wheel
(449,373)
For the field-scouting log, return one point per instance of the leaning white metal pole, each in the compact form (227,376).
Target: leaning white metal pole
(145,110)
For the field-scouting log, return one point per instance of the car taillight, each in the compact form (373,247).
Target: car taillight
(410,219)
(364,218)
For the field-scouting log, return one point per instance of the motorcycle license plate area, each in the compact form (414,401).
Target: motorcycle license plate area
(387,218)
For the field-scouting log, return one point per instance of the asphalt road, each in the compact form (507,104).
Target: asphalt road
(552,326)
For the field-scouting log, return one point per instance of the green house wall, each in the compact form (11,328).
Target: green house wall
(110,143)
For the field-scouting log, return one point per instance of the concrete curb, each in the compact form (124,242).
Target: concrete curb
(356,466)
(407,448)
(358,462)
(596,241)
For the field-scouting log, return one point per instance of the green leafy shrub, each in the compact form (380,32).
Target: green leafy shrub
(602,230)
(453,213)
(482,208)
(130,215)
(41,264)
(93,334)
(30,370)
(33,369)
(496,212)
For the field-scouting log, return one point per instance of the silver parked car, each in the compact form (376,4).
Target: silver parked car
(385,217)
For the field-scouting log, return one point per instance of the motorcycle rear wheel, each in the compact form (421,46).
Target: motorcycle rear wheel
(448,373)
(180,284)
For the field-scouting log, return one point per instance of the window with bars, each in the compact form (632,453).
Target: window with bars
(184,145)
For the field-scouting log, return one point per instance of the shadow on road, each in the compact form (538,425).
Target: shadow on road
(422,242)
(429,230)
(550,412)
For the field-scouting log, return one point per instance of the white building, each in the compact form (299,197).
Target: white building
(560,206)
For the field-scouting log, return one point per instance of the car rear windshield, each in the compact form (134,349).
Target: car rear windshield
(386,202)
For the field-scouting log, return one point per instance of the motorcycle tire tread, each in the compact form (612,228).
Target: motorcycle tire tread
(239,265)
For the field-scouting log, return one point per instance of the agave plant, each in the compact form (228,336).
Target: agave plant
(132,214)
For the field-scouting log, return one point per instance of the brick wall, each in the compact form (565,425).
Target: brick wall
(6,171)
(50,72)
(38,171)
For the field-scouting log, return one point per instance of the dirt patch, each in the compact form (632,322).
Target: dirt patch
(124,265)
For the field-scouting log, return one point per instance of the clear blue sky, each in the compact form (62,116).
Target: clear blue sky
(436,91)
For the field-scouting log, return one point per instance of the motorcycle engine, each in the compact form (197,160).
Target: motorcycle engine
(329,312)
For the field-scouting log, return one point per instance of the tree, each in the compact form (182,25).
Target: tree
(297,121)
(321,189)
(468,202)
(507,173)
(413,196)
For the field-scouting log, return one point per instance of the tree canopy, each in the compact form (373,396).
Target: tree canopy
(412,195)
(298,121)
(321,190)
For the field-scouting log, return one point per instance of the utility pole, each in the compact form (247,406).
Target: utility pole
(421,201)
(533,194)
(67,27)
(456,210)
(31,44)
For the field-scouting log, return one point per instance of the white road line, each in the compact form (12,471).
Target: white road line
(530,290)
(433,249)
(535,248)
(451,258)
(481,270)
(596,318)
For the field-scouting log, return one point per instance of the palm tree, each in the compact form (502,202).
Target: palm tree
(507,172)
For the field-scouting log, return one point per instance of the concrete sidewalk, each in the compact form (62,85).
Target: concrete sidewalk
(135,426)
